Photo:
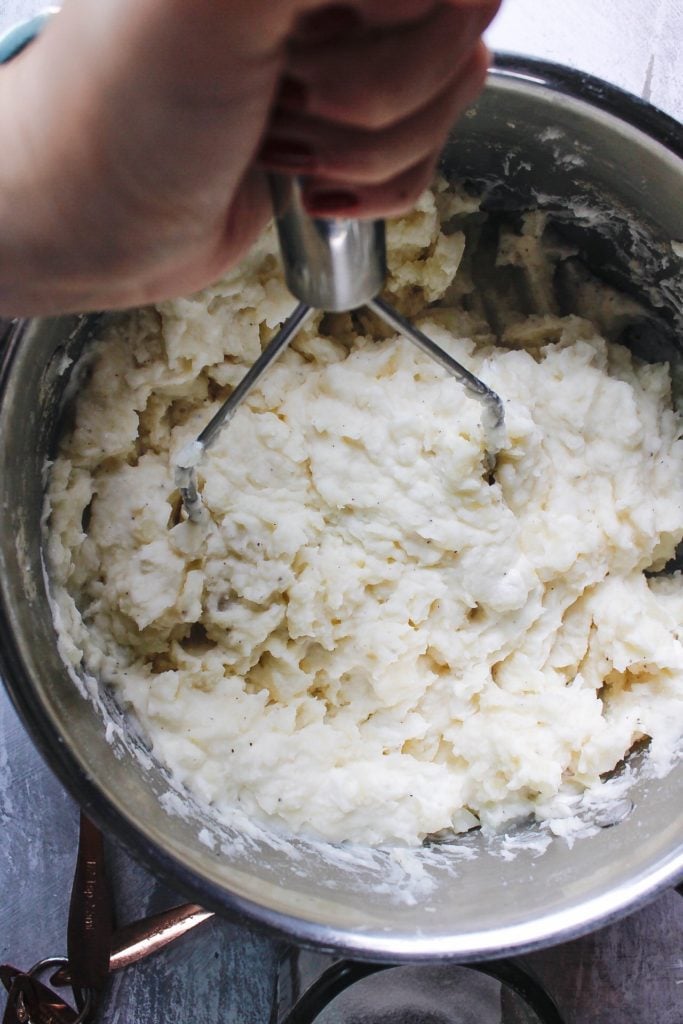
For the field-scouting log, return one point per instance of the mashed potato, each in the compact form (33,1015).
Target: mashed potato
(368,639)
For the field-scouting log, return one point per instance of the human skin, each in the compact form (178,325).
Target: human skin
(136,133)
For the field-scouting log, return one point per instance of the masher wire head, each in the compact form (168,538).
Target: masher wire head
(337,266)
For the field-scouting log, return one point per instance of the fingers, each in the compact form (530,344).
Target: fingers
(302,145)
(370,79)
(388,199)
(355,173)
(371,92)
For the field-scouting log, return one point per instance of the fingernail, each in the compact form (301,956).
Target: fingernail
(293,94)
(288,154)
(335,20)
(326,203)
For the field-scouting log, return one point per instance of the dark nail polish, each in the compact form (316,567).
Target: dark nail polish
(328,203)
(293,94)
(335,20)
(288,154)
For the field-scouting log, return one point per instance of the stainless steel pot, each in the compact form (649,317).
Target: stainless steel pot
(610,170)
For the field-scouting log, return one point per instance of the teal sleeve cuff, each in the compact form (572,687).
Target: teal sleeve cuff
(14,39)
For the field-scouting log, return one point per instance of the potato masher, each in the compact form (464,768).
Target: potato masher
(336,265)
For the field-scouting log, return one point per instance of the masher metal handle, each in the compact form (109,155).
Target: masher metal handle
(336,265)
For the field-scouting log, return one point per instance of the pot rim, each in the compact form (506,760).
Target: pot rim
(626,106)
(518,938)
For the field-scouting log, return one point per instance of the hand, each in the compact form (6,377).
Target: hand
(136,132)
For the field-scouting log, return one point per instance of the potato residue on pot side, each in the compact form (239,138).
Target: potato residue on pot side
(367,639)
